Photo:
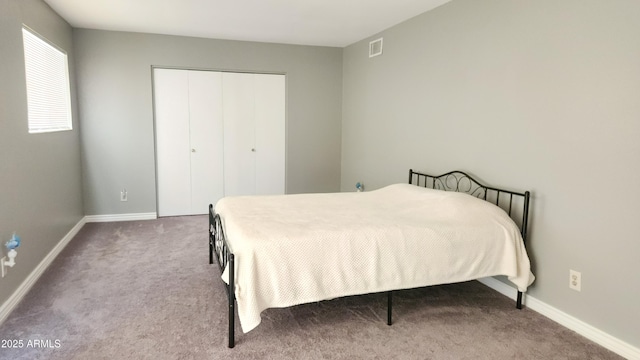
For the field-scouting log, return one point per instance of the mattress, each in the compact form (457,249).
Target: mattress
(295,249)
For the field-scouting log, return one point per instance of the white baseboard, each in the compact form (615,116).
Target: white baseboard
(598,336)
(23,289)
(121,217)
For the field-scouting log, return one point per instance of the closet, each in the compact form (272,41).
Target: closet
(217,134)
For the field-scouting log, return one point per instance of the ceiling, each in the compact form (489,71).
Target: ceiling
(335,23)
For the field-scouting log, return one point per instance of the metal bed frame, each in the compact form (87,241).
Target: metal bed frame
(516,205)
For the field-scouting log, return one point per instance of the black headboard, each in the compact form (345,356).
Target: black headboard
(514,203)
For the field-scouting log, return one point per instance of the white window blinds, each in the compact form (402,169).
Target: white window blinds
(48,93)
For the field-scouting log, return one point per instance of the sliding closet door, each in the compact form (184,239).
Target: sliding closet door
(207,139)
(270,133)
(217,134)
(239,134)
(189,140)
(171,97)
(254,133)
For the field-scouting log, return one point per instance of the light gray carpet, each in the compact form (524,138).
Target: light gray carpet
(145,290)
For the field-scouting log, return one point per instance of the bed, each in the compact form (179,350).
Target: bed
(285,250)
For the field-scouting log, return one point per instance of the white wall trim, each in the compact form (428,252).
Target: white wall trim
(598,336)
(121,217)
(7,307)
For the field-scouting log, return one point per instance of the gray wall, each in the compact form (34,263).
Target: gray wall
(40,174)
(115,102)
(536,94)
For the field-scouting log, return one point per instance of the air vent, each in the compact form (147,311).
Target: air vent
(375,48)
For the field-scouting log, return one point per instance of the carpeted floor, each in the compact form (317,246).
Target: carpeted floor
(145,290)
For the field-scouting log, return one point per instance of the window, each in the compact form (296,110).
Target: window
(47,76)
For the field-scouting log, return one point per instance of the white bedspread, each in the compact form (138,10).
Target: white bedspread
(295,249)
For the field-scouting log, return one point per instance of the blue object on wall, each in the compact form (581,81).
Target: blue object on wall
(13,243)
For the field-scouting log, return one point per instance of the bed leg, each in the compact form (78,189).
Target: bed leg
(211,227)
(231,302)
(210,248)
(519,301)
(389,299)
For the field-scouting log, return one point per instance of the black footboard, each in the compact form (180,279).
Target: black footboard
(225,258)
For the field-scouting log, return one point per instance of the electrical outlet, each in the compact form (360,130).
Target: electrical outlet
(575,280)
(123,195)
